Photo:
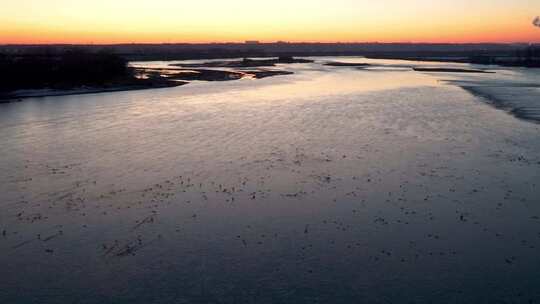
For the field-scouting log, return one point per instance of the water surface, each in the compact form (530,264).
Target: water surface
(332,185)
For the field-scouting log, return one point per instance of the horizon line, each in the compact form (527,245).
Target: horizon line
(255,43)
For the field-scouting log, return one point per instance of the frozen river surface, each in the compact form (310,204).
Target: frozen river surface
(332,185)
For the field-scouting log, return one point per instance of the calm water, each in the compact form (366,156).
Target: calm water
(332,185)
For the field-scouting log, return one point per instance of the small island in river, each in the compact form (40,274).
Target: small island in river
(347,64)
(245,63)
(449,70)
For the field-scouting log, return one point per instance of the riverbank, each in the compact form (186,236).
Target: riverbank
(18,95)
(76,72)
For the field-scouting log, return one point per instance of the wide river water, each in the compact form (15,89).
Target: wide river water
(332,185)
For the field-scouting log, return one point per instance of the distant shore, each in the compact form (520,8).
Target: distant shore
(67,74)
(124,78)
(508,54)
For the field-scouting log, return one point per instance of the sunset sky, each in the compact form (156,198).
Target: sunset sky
(155,21)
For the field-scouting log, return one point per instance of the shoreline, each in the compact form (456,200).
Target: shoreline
(458,59)
(17,96)
(520,107)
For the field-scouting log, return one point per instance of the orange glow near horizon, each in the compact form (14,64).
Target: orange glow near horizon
(170,21)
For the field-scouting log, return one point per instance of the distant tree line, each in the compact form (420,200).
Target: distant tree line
(529,54)
(65,70)
(526,57)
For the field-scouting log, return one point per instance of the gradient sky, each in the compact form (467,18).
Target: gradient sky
(154,21)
